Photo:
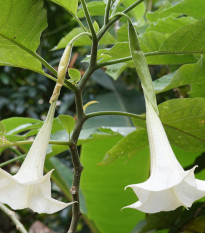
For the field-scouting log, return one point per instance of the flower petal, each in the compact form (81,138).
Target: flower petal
(34,195)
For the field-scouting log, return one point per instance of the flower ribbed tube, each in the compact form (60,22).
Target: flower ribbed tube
(168,186)
(29,188)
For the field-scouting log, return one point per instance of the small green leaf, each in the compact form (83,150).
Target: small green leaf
(96,26)
(67,122)
(74,75)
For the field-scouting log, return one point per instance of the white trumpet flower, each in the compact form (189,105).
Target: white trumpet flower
(29,188)
(168,186)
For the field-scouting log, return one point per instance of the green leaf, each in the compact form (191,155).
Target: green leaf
(67,122)
(197,89)
(107,39)
(96,27)
(70,5)
(170,24)
(20,128)
(186,74)
(95,8)
(20,30)
(138,11)
(185,7)
(103,186)
(184,122)
(74,75)
(141,67)
(133,143)
(189,38)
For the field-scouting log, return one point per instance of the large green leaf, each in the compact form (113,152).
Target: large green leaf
(184,122)
(103,186)
(184,7)
(186,74)
(70,5)
(190,38)
(170,24)
(20,30)
(127,146)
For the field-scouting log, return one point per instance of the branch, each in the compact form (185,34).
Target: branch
(78,167)
(19,143)
(11,214)
(112,21)
(107,12)
(149,54)
(103,113)
(89,21)
(12,160)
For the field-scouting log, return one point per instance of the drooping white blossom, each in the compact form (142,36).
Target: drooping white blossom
(29,188)
(168,186)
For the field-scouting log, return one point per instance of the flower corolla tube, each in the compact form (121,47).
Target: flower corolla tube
(168,186)
(29,188)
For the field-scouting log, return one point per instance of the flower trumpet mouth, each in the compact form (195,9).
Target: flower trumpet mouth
(168,186)
(29,188)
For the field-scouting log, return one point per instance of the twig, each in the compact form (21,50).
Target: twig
(11,214)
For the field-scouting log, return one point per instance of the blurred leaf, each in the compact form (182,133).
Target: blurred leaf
(74,75)
(184,122)
(21,28)
(103,186)
(133,143)
(67,122)
(185,7)
(70,5)
(186,74)
(188,38)
(95,8)
(154,222)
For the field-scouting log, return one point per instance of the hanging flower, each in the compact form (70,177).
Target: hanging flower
(29,188)
(169,186)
